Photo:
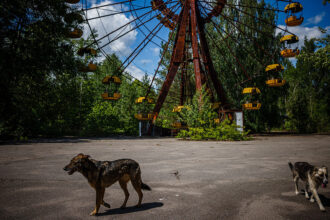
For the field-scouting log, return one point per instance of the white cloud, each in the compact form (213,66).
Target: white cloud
(135,71)
(145,61)
(316,19)
(155,50)
(121,46)
(302,32)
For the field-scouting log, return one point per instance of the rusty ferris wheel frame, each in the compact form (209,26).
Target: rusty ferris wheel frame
(189,26)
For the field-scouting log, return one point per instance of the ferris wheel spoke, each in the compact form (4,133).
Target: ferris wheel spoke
(118,37)
(250,38)
(249,26)
(244,6)
(159,63)
(177,7)
(289,1)
(231,51)
(248,6)
(125,25)
(246,50)
(143,44)
(259,31)
(225,57)
(116,12)
(260,19)
(117,29)
(110,4)
(229,48)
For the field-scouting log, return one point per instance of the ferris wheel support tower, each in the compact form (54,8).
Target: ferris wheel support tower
(191,23)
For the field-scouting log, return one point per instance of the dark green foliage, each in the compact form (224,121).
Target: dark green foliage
(103,120)
(199,117)
(225,131)
(307,102)
(253,42)
(199,113)
(43,92)
(34,53)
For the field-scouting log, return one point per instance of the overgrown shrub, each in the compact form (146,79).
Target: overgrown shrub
(102,120)
(225,131)
(200,116)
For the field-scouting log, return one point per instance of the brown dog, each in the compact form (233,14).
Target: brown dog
(102,174)
(313,177)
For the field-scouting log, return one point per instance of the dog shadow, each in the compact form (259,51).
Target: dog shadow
(144,206)
(325,201)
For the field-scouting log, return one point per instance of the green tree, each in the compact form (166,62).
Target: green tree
(308,98)
(242,45)
(34,52)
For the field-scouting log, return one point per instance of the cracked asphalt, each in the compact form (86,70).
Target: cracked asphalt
(189,179)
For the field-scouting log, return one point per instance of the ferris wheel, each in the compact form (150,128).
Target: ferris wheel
(158,22)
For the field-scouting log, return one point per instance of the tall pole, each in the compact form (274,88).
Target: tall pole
(194,44)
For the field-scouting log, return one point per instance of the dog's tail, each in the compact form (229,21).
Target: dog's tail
(291,166)
(145,187)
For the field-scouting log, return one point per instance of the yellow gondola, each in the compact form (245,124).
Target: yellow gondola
(109,79)
(275,82)
(274,68)
(251,90)
(289,39)
(76,33)
(91,67)
(290,52)
(179,108)
(72,1)
(115,96)
(143,116)
(144,99)
(293,7)
(86,50)
(294,21)
(179,124)
(252,106)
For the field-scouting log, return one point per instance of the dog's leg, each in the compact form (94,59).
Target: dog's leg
(123,185)
(314,192)
(312,198)
(136,182)
(99,198)
(104,203)
(306,190)
(296,179)
(318,200)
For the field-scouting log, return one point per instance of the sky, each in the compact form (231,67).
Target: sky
(315,15)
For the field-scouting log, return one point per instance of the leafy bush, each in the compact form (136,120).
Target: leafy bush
(199,113)
(200,116)
(225,131)
(102,120)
